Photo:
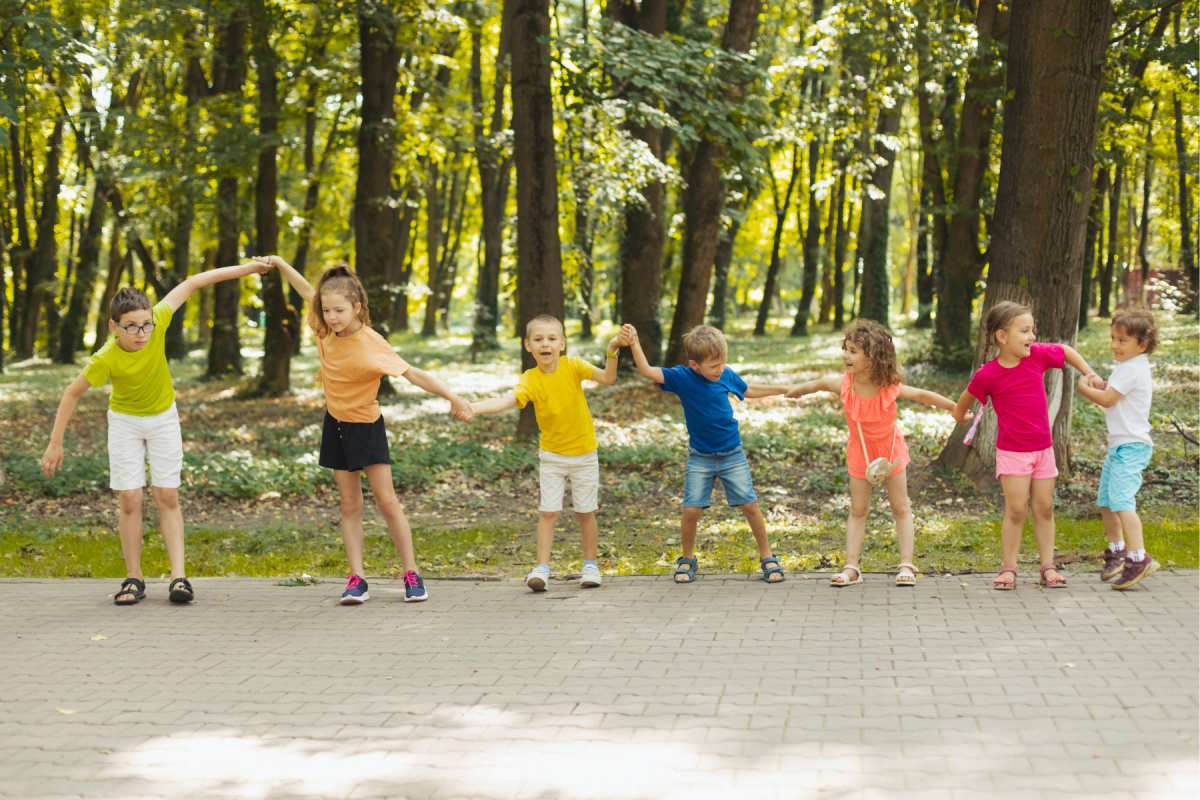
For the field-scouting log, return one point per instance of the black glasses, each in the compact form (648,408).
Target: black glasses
(134,330)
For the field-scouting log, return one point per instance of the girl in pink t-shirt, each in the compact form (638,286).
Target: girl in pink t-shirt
(1024,447)
(869,390)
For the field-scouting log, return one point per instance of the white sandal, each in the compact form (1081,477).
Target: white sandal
(845,577)
(907,578)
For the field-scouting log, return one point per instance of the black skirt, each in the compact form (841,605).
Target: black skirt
(351,446)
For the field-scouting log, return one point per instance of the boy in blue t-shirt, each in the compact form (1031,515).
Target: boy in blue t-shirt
(715,447)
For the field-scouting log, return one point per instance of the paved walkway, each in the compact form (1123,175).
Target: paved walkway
(640,689)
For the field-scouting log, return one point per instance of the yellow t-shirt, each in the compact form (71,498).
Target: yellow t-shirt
(351,367)
(141,381)
(562,410)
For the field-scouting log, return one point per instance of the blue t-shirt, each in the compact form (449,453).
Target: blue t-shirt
(706,407)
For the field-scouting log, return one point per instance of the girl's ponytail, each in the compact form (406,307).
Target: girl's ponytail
(338,279)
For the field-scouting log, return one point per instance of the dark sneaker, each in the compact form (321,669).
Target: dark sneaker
(356,591)
(414,588)
(1113,564)
(1134,571)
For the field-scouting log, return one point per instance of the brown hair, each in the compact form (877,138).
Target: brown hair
(126,300)
(545,319)
(338,279)
(1000,317)
(877,345)
(1138,323)
(704,342)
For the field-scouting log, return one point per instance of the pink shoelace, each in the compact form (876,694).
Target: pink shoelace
(410,579)
(352,582)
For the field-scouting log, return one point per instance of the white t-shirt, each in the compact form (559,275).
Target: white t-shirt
(1129,420)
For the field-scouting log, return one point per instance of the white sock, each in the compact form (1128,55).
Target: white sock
(1117,546)
(1137,555)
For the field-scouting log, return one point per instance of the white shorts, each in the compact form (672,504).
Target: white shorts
(131,439)
(584,472)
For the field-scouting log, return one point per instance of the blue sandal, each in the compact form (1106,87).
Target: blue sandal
(767,571)
(690,571)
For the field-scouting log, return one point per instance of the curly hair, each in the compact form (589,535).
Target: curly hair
(338,279)
(876,343)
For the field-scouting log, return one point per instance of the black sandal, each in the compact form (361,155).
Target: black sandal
(137,592)
(182,594)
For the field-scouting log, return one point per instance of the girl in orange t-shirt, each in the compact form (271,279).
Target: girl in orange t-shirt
(869,389)
(353,359)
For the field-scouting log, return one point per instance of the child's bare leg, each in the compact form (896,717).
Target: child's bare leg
(170,521)
(1041,500)
(1016,505)
(129,524)
(1112,526)
(897,490)
(687,531)
(1131,523)
(758,527)
(379,476)
(590,533)
(350,493)
(545,535)
(856,522)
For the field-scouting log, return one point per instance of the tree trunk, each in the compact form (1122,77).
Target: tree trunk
(703,198)
(781,210)
(19,255)
(539,257)
(44,261)
(1095,222)
(1144,229)
(721,263)
(876,288)
(1044,193)
(812,250)
(403,252)
(1114,214)
(433,243)
(961,263)
(495,169)
(840,240)
(229,76)
(1187,254)
(75,321)
(281,325)
(116,266)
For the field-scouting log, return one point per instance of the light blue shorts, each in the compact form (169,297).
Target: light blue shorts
(1122,476)
(730,466)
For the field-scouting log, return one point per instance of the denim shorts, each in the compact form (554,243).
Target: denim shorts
(1122,476)
(730,466)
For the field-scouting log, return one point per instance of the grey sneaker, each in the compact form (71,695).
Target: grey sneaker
(538,578)
(591,576)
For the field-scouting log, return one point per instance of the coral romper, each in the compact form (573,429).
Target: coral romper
(877,415)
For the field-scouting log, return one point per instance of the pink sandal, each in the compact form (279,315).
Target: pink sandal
(1057,582)
(1003,585)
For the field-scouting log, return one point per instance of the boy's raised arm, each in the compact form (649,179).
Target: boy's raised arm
(179,295)
(53,457)
(754,390)
(494,405)
(298,282)
(639,357)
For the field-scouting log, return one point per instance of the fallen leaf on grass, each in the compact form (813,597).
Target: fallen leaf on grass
(98,638)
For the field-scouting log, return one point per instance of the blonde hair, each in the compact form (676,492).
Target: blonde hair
(876,343)
(704,342)
(1000,317)
(545,319)
(1138,323)
(338,279)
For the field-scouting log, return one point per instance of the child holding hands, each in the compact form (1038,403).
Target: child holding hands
(869,389)
(567,446)
(354,440)
(1024,446)
(143,421)
(1125,399)
(714,443)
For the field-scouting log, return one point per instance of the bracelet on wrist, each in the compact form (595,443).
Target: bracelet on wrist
(611,354)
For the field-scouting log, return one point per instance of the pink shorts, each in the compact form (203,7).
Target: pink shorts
(1037,465)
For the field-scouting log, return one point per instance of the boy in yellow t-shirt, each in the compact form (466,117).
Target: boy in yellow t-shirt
(568,440)
(142,421)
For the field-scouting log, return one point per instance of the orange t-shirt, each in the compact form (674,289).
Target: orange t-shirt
(351,367)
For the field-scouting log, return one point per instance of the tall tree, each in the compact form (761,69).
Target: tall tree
(1114,214)
(781,211)
(1055,64)
(44,262)
(1095,226)
(875,225)
(18,257)
(1144,227)
(539,257)
(703,198)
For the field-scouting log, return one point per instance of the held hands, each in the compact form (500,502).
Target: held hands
(965,419)
(460,409)
(795,392)
(1093,381)
(52,460)
(624,338)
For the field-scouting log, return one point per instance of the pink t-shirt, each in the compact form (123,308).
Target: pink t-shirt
(1019,397)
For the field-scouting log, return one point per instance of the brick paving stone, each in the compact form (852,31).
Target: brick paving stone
(638,690)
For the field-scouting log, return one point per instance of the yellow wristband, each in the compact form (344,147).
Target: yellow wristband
(611,354)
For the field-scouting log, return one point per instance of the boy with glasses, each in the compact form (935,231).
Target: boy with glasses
(142,421)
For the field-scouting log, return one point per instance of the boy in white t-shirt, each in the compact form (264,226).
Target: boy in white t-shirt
(1126,403)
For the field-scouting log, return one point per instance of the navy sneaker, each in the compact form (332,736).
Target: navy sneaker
(414,588)
(356,591)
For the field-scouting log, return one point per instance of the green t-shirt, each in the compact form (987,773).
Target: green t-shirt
(141,381)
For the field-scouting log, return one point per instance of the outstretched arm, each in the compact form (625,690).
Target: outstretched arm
(926,398)
(459,407)
(608,375)
(53,457)
(639,357)
(298,282)
(1077,361)
(754,390)
(494,405)
(179,295)
(1104,397)
(963,406)
(812,387)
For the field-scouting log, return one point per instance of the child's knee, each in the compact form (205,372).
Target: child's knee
(692,514)
(1042,508)
(901,509)
(859,509)
(167,499)
(351,504)
(388,505)
(585,516)
(1015,513)
(549,516)
(131,501)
